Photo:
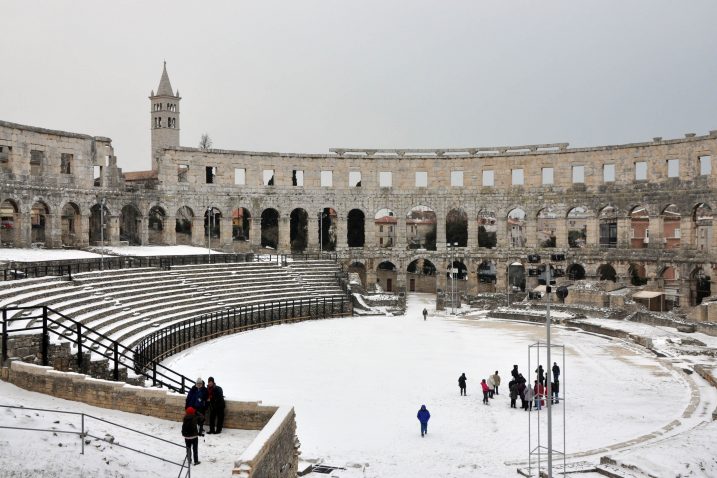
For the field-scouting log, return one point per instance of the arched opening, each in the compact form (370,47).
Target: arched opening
(608,227)
(516,228)
(241,224)
(637,274)
(327,229)
(607,272)
(575,272)
(270,228)
(670,283)
(421,228)
(458,270)
(183,225)
(38,220)
(98,225)
(487,229)
(702,221)
(421,276)
(639,228)
(487,276)
(578,227)
(360,269)
(385,223)
(8,222)
(671,233)
(70,219)
(547,227)
(700,286)
(130,219)
(298,230)
(516,277)
(155,225)
(355,236)
(457,228)
(212,222)
(386,276)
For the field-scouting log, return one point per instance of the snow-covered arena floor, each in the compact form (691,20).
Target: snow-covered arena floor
(357,383)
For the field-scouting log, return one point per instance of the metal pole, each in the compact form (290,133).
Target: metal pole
(321,233)
(209,235)
(102,234)
(549,378)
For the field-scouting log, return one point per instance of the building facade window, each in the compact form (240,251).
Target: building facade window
(327,179)
(267,177)
(488,178)
(608,173)
(385,179)
(673,168)
(297,178)
(457,179)
(705,165)
(66,163)
(517,178)
(421,179)
(578,174)
(547,176)
(354,179)
(641,171)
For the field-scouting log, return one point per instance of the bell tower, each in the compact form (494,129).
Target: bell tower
(164,117)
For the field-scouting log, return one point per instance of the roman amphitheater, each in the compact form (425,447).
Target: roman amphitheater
(628,229)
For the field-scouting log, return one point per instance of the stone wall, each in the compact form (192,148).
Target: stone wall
(274,453)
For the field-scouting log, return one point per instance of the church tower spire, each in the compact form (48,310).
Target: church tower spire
(164,117)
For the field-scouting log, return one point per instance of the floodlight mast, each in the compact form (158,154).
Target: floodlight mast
(549,400)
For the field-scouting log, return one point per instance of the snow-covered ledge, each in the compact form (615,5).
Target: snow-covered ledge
(274,452)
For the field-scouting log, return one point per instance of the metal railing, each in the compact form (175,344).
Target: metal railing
(174,338)
(83,432)
(87,341)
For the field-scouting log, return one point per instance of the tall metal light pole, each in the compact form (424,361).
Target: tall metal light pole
(549,399)
(209,235)
(102,234)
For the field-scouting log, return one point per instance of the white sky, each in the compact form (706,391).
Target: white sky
(304,76)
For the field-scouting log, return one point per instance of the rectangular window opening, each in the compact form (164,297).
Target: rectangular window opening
(578,174)
(66,163)
(267,176)
(354,179)
(641,171)
(608,173)
(517,177)
(421,179)
(547,176)
(297,178)
(488,178)
(385,179)
(37,159)
(705,165)
(239,176)
(210,174)
(457,179)
(97,175)
(673,168)
(182,173)
(327,179)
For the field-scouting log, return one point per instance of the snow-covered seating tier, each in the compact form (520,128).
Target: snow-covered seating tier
(127,304)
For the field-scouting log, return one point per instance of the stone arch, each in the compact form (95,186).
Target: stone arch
(386,275)
(212,222)
(608,226)
(241,224)
(39,218)
(298,230)
(129,225)
(385,222)
(9,224)
(516,231)
(458,268)
(516,277)
(702,224)
(607,272)
(487,272)
(487,229)
(575,271)
(457,227)
(547,227)
(355,228)
(183,225)
(639,227)
(700,286)
(359,268)
(155,225)
(421,276)
(99,218)
(327,221)
(70,225)
(637,273)
(577,222)
(671,223)
(421,228)
(270,228)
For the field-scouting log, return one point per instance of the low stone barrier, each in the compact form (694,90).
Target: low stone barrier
(269,453)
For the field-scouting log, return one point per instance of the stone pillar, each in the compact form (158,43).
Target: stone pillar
(501,276)
(23,230)
(400,233)
(370,277)
(472,277)
(225,233)
(82,231)
(656,233)
(342,233)
(441,271)
(593,232)
(312,229)
(369,231)
(501,234)
(143,228)
(169,231)
(531,232)
(561,233)
(284,235)
(472,234)
(198,231)
(440,232)
(53,230)
(688,238)
(623,232)
(113,230)
(401,277)
(255,232)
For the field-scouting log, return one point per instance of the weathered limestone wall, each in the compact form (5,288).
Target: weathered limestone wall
(274,453)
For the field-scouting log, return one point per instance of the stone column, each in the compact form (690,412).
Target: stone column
(82,231)
(143,228)
(284,235)
(198,231)
(113,230)
(441,271)
(688,239)
(400,233)
(593,232)
(656,233)
(531,232)
(501,234)
(623,232)
(169,231)
(472,276)
(255,232)
(472,234)
(440,232)
(53,235)
(501,276)
(225,233)
(312,229)
(23,230)
(341,232)
(369,231)
(561,233)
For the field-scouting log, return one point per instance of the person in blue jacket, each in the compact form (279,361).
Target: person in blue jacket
(423,416)
(197,399)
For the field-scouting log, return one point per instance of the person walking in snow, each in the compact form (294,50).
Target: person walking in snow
(485,388)
(513,387)
(556,371)
(529,397)
(538,393)
(555,391)
(425,313)
(189,432)
(496,382)
(491,386)
(514,373)
(521,390)
(423,416)
(541,374)
(197,399)
(462,384)
(215,401)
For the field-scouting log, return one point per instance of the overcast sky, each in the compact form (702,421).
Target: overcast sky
(308,75)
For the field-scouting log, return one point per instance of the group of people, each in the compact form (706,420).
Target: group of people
(518,387)
(202,400)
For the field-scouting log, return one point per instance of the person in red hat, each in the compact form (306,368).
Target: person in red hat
(191,435)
